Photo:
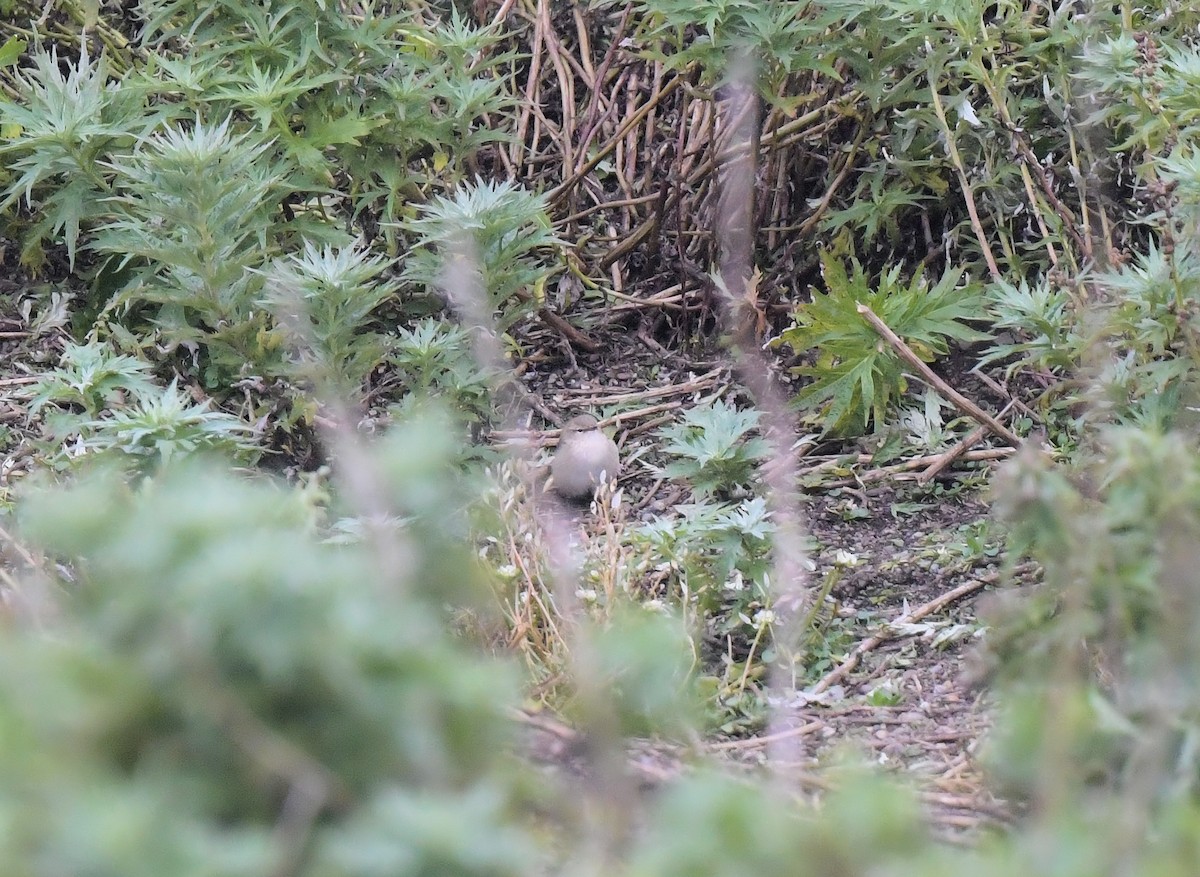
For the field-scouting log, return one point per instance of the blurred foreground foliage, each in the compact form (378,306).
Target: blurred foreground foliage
(231,681)
(224,675)
(221,688)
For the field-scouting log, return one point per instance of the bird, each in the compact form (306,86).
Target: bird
(584,457)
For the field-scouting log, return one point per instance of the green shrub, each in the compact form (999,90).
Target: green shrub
(500,227)
(218,672)
(857,376)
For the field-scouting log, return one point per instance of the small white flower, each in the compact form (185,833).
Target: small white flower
(967,113)
(845,558)
(587,595)
(764,618)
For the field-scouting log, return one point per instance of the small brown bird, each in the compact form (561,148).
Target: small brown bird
(584,455)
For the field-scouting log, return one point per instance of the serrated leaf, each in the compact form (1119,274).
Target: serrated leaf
(857,376)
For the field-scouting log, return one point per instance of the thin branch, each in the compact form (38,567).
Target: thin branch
(968,196)
(960,401)
(891,631)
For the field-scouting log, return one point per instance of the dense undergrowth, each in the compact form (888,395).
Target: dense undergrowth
(316,239)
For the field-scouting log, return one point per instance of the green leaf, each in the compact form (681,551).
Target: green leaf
(11,51)
(857,376)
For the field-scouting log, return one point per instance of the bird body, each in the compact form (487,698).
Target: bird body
(584,456)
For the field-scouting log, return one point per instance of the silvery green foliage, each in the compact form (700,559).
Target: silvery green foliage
(502,232)
(327,297)
(713,449)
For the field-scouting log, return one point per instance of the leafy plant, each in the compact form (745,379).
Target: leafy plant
(434,358)
(856,376)
(1139,87)
(192,212)
(714,559)
(1154,336)
(120,411)
(192,216)
(1138,339)
(924,427)
(713,449)
(782,38)
(1115,536)
(751,831)
(328,297)
(391,102)
(506,230)
(715,556)
(1041,316)
(58,134)
(159,428)
(92,377)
